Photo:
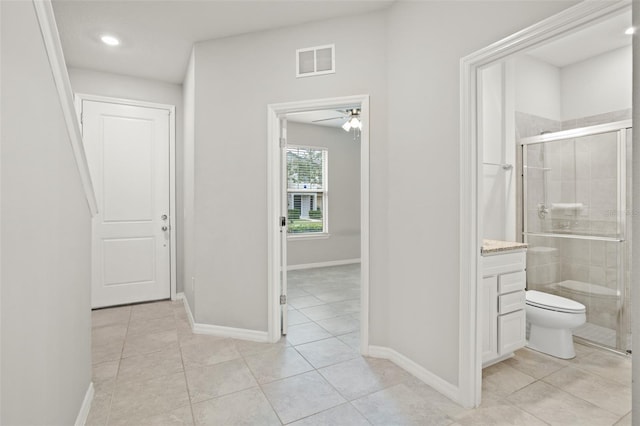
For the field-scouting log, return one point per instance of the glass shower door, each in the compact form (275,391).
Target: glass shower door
(574,208)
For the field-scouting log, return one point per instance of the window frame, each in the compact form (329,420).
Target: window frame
(325,195)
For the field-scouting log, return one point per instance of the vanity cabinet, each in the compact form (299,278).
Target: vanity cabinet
(502,303)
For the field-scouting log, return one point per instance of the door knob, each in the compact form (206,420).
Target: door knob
(164,217)
(165,228)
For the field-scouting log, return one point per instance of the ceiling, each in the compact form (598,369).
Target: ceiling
(592,41)
(157,35)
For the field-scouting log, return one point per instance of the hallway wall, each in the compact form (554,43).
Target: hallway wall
(45,347)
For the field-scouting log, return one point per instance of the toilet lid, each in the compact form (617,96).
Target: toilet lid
(553,302)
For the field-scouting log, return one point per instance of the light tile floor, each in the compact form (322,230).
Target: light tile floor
(150,369)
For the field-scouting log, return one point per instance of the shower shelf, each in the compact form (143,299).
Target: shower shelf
(574,236)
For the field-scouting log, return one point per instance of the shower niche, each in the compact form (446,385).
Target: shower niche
(575,205)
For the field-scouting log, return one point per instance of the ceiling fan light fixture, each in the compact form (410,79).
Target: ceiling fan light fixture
(347,126)
(355,123)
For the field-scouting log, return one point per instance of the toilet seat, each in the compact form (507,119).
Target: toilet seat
(553,303)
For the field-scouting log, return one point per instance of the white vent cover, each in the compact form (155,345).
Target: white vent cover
(317,60)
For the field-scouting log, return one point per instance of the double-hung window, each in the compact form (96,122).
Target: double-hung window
(307,190)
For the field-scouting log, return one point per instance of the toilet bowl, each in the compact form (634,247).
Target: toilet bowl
(550,321)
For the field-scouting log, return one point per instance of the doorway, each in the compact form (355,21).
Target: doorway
(581,16)
(130,152)
(317,221)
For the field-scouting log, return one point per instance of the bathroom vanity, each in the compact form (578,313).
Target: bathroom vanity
(502,299)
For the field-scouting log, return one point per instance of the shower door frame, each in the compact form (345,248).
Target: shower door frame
(621,128)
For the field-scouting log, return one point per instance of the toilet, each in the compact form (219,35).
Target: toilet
(550,321)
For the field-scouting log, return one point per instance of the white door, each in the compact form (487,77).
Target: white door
(127,149)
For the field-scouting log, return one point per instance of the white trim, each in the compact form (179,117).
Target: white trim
(53,46)
(274,111)
(83,414)
(571,19)
(322,264)
(235,333)
(309,236)
(221,331)
(440,385)
(173,262)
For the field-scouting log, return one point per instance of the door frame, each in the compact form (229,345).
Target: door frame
(274,112)
(171,109)
(563,23)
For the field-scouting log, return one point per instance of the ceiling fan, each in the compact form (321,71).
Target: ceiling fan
(352,117)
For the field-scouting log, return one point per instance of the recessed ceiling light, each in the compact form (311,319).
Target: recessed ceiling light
(110,40)
(630,31)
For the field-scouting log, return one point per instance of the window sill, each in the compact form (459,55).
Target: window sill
(308,236)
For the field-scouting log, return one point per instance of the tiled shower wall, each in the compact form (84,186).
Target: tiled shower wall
(583,172)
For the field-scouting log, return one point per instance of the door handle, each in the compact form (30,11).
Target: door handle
(165,228)
(164,217)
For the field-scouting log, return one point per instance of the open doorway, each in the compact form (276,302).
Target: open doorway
(318,257)
(321,186)
(493,170)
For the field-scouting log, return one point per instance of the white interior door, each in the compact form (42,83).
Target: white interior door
(127,149)
(284,208)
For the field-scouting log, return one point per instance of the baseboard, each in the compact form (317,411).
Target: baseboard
(83,414)
(322,264)
(179,296)
(447,389)
(234,333)
(221,331)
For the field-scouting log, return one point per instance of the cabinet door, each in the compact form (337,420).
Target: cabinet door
(511,332)
(489,318)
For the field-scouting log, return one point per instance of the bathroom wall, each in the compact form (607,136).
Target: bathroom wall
(497,135)
(598,85)
(343,242)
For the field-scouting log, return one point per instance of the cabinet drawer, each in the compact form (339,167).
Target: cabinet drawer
(511,332)
(511,302)
(503,263)
(512,282)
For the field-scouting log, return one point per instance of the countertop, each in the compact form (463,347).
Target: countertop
(495,246)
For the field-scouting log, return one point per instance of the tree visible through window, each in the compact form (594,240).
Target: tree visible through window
(306,189)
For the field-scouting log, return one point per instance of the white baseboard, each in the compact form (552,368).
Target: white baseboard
(322,264)
(221,331)
(179,296)
(447,389)
(83,414)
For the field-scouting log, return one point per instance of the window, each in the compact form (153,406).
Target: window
(306,190)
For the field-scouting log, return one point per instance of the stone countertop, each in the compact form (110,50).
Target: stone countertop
(495,246)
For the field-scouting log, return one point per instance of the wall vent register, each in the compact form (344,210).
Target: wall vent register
(317,60)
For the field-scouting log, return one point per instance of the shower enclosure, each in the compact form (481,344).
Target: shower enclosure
(575,207)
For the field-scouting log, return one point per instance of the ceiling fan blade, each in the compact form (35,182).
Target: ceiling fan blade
(327,119)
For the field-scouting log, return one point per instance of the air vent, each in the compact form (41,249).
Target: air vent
(317,60)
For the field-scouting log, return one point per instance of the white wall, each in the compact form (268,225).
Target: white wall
(496,119)
(45,237)
(344,195)
(538,88)
(236,78)
(126,87)
(426,42)
(597,85)
(410,54)
(188,185)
